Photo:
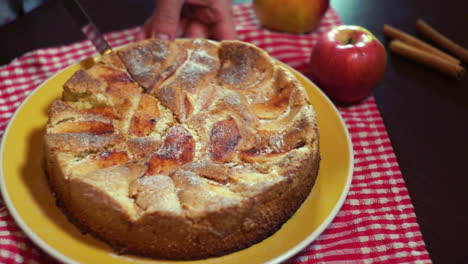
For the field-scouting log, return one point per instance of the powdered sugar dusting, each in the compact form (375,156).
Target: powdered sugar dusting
(198,41)
(277,142)
(77,142)
(234,74)
(153,181)
(141,62)
(137,64)
(233,98)
(193,179)
(198,64)
(188,177)
(160,51)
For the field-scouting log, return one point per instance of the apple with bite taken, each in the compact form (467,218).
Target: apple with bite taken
(293,16)
(347,63)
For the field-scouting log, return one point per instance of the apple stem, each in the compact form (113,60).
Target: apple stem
(349,41)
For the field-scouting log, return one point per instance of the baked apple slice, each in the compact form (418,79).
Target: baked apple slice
(178,149)
(142,147)
(180,93)
(224,137)
(150,62)
(82,142)
(271,145)
(210,170)
(102,160)
(243,67)
(145,117)
(156,194)
(90,126)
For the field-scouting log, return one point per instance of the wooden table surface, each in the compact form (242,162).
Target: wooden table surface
(426,113)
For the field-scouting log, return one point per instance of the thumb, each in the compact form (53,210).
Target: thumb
(165,19)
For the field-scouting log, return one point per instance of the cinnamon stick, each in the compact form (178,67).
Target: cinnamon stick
(394,33)
(426,58)
(442,40)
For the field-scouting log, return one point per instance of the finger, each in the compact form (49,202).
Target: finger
(147,27)
(165,19)
(206,15)
(140,36)
(196,29)
(181,27)
(205,3)
(224,28)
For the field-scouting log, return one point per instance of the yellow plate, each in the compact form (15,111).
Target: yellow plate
(27,195)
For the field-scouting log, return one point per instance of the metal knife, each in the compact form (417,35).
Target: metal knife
(87,26)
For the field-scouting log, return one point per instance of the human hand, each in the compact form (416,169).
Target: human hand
(190,19)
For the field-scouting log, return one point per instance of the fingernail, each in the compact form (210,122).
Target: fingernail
(160,36)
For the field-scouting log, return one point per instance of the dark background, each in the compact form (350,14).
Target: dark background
(426,113)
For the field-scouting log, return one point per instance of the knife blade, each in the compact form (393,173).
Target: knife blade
(89,29)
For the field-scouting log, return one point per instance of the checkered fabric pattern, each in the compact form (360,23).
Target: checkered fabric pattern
(376,224)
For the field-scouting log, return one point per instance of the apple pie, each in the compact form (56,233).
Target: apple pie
(182,149)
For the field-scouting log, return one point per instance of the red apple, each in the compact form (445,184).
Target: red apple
(293,16)
(347,63)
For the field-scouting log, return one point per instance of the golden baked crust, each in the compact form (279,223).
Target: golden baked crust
(182,150)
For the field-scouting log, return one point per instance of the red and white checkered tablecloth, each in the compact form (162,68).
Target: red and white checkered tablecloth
(377,222)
